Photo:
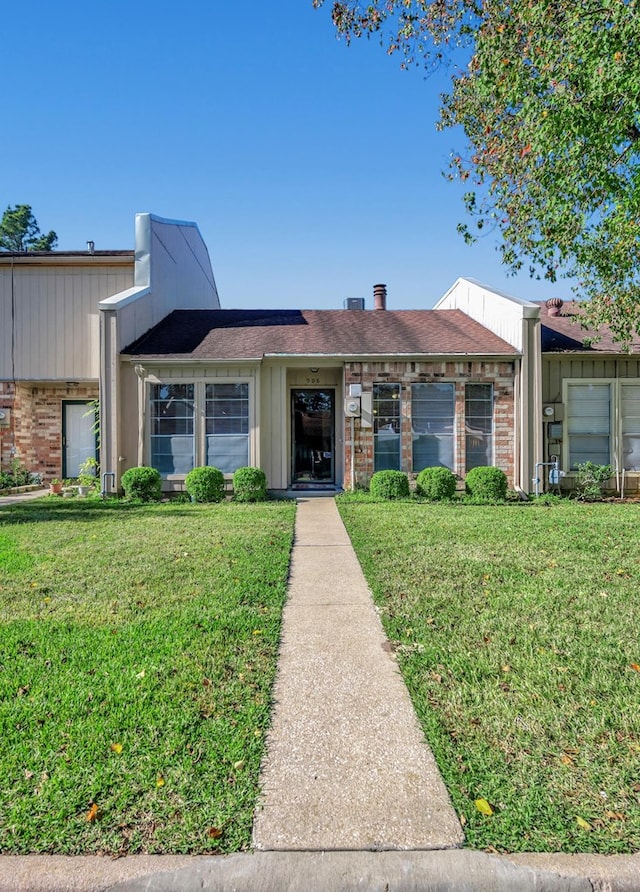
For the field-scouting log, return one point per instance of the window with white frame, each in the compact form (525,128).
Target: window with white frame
(478,421)
(386,427)
(602,421)
(227,426)
(630,421)
(588,422)
(432,425)
(172,438)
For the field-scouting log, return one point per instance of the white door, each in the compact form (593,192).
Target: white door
(78,437)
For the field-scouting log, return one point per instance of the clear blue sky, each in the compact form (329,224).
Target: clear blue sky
(313,169)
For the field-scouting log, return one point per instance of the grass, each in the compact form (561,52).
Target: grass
(138,650)
(516,629)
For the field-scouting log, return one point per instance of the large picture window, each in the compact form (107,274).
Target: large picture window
(172,428)
(386,427)
(197,423)
(432,425)
(478,421)
(227,426)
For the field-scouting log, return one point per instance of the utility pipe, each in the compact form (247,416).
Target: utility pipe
(544,464)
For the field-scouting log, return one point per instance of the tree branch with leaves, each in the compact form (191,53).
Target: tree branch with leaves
(547,93)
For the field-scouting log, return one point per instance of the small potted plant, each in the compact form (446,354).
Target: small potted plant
(55,486)
(87,476)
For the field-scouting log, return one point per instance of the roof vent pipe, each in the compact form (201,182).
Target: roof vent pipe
(379,297)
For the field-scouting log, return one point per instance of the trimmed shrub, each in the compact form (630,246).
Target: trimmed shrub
(486,483)
(205,484)
(142,483)
(436,484)
(389,485)
(249,485)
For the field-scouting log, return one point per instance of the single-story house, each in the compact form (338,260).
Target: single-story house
(320,398)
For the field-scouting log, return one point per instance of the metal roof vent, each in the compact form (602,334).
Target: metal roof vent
(354,303)
(554,306)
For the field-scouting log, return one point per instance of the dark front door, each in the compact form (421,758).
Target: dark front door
(312,436)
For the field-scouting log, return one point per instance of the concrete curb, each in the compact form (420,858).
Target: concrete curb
(455,870)
(280,872)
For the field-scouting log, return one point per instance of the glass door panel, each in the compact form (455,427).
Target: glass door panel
(78,436)
(312,436)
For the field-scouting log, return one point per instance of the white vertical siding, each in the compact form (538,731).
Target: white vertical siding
(500,313)
(55,318)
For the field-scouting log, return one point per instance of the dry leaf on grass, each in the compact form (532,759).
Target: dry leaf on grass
(483,807)
(92,814)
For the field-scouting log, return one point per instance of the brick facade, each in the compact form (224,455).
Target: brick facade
(7,400)
(500,374)
(34,435)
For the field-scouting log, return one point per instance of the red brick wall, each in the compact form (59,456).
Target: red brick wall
(7,392)
(500,374)
(35,434)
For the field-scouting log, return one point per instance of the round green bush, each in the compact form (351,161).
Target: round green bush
(205,484)
(436,484)
(249,485)
(389,485)
(486,483)
(142,483)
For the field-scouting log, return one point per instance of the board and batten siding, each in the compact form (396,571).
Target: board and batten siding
(51,313)
(558,368)
(274,424)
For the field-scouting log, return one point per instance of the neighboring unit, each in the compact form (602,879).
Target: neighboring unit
(590,396)
(59,338)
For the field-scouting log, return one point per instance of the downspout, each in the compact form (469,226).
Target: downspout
(141,374)
(531,395)
(108,396)
(535,348)
(518,424)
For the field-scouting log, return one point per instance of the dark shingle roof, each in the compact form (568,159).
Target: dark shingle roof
(564,334)
(252,334)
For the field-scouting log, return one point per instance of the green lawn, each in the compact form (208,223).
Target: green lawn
(137,651)
(517,630)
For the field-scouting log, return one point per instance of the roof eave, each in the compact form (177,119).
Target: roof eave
(343,357)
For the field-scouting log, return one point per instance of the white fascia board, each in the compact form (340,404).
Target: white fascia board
(122,298)
(159,359)
(170,222)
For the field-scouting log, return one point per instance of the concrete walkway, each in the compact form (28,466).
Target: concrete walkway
(347,765)
(16,498)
